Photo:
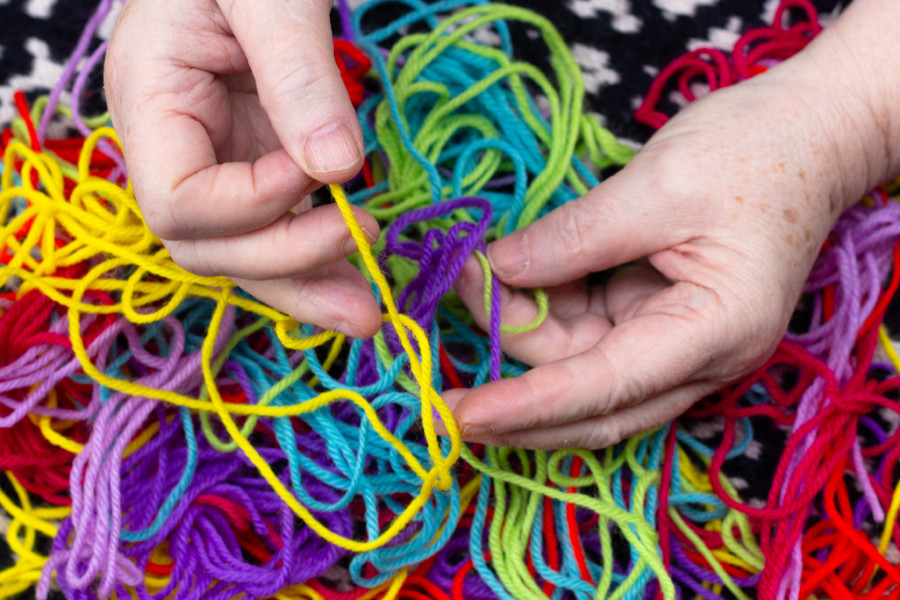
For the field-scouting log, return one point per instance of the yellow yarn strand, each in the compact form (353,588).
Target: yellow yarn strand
(103,220)
(26,522)
(421,370)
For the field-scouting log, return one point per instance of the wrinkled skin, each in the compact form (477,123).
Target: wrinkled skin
(714,225)
(231,114)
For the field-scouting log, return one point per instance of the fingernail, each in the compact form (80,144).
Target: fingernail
(348,328)
(332,147)
(349,245)
(509,256)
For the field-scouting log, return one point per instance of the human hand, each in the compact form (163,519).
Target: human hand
(231,113)
(717,222)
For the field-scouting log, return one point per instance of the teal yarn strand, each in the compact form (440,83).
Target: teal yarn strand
(451,119)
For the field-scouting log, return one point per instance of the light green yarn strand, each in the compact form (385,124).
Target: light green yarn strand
(632,525)
(704,551)
(540,296)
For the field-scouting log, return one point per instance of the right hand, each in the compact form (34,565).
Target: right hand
(231,113)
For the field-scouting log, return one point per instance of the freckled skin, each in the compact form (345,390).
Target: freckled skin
(714,227)
(790,215)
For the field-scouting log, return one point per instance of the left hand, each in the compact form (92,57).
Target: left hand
(715,226)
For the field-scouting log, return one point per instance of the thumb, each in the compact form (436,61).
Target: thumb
(289,48)
(614,223)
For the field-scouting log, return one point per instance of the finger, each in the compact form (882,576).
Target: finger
(167,113)
(293,245)
(339,299)
(600,432)
(669,345)
(552,340)
(612,224)
(187,195)
(290,51)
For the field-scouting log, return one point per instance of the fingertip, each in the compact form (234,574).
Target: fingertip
(360,327)
(348,328)
(452,398)
(357,300)
(333,153)
(358,315)
(368,324)
(300,86)
(465,406)
(362,321)
(440,427)
(509,256)
(470,280)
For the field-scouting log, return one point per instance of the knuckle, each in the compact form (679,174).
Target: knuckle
(162,205)
(162,224)
(620,390)
(179,256)
(573,228)
(169,212)
(667,175)
(300,80)
(758,346)
(186,256)
(603,433)
(756,334)
(668,170)
(310,294)
(158,222)
(533,389)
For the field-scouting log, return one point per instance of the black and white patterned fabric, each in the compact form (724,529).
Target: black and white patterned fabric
(619,44)
(36,38)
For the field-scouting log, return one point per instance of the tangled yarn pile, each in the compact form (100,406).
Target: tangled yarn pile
(164,435)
